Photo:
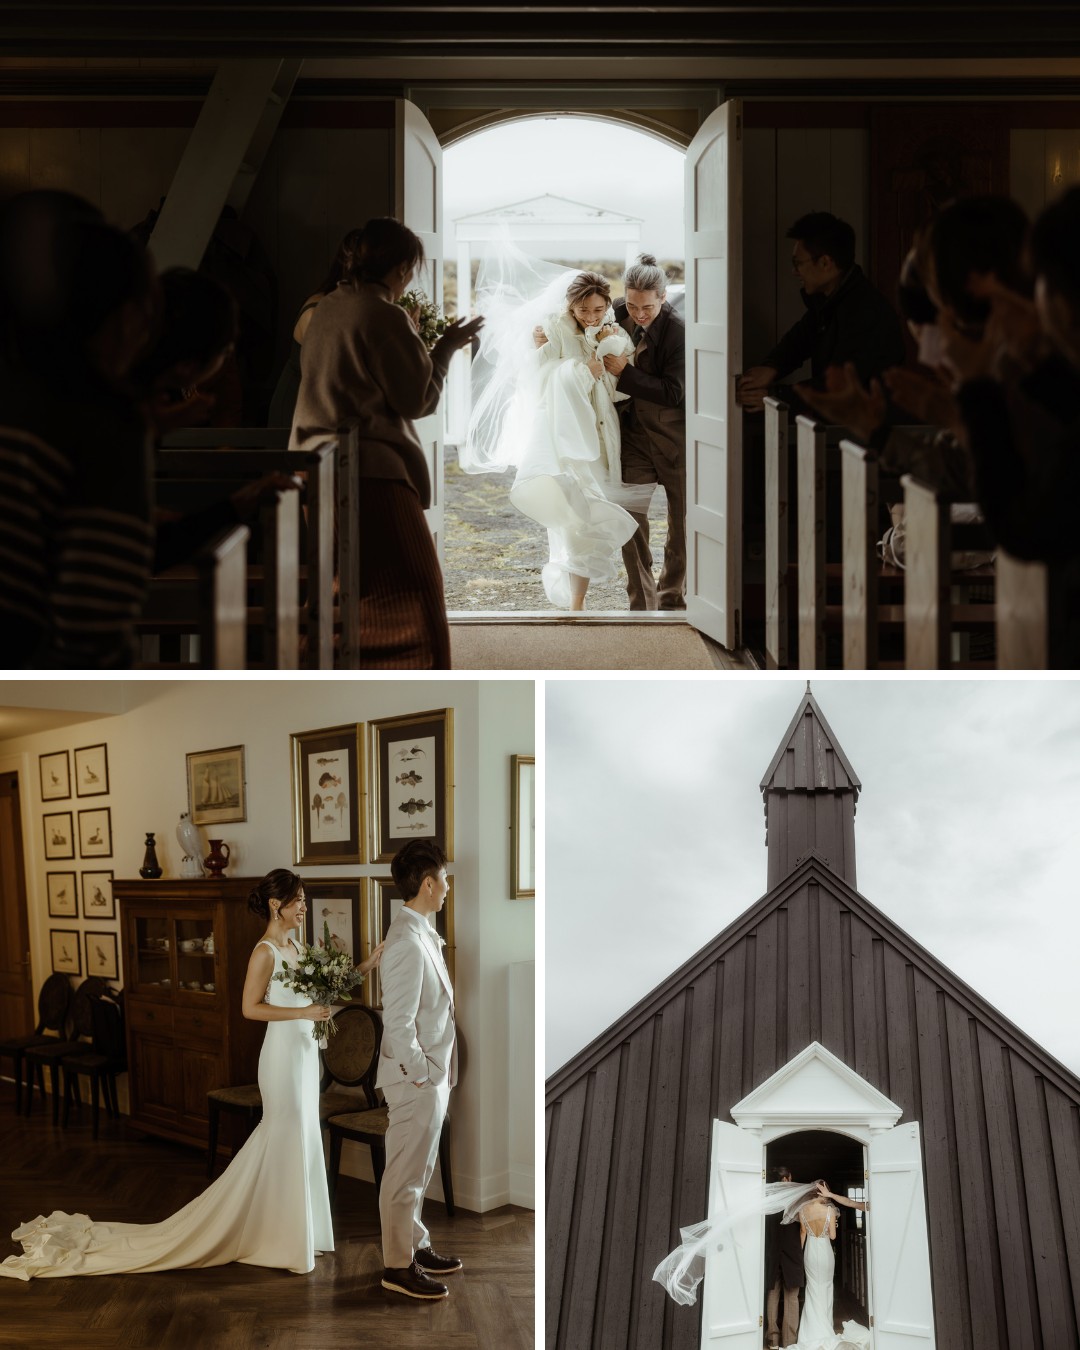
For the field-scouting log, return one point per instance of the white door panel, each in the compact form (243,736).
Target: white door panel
(902,1303)
(418,204)
(734,1268)
(713,358)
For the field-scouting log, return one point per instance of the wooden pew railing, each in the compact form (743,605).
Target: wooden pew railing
(219,583)
(777,535)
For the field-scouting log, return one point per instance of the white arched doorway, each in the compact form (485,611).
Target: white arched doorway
(817,1091)
(713,314)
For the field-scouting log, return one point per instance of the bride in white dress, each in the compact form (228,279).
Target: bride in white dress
(270,1207)
(546,409)
(817,1228)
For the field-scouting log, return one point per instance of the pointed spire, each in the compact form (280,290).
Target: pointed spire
(810,794)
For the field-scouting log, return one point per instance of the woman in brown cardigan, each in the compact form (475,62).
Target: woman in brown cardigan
(363,364)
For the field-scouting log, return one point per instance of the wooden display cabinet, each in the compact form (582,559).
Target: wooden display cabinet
(186,949)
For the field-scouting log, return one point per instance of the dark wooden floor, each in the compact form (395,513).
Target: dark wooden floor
(127,1176)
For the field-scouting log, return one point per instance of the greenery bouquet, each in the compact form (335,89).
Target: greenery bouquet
(324,974)
(431,322)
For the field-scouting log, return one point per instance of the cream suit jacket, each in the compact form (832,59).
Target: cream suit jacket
(419,1034)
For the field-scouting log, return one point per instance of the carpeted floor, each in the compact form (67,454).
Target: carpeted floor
(585,644)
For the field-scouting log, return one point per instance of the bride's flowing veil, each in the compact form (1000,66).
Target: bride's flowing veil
(681,1271)
(515,293)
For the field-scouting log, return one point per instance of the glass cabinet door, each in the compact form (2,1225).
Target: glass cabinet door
(153,953)
(196,956)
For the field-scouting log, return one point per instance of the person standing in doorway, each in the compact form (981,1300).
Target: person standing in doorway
(784,1277)
(417,1069)
(653,425)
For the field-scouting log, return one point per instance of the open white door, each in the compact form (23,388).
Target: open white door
(418,204)
(902,1302)
(734,1270)
(713,358)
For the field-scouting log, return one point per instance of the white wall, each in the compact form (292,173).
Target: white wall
(164,720)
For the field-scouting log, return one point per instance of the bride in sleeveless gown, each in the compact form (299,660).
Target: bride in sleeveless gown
(270,1207)
(817,1221)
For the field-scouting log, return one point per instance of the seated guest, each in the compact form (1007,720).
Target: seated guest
(846,319)
(365,365)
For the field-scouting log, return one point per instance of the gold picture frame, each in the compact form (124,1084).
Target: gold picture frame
(329,787)
(523,827)
(382,902)
(412,793)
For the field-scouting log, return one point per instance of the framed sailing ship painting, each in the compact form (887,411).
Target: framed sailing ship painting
(217,789)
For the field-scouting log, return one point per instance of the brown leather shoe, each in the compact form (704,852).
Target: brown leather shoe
(412,1282)
(435,1264)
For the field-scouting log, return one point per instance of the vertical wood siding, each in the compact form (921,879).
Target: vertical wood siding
(628,1140)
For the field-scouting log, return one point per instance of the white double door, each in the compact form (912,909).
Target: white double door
(898,1261)
(713,207)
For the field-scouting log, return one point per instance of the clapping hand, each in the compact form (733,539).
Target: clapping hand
(461,332)
(928,398)
(846,403)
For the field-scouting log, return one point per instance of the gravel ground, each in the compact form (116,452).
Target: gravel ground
(494,554)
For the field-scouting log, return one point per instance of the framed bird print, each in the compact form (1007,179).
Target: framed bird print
(413,793)
(329,782)
(92,771)
(95,833)
(97,896)
(55,770)
(102,957)
(66,958)
(59,829)
(63,895)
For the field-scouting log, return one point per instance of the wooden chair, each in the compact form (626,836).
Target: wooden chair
(107,1058)
(55,1050)
(355,1064)
(54,1007)
(349,1058)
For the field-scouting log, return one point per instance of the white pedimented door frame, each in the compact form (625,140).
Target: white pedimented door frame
(817,1091)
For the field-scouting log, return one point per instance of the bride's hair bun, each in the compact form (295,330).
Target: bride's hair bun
(280,884)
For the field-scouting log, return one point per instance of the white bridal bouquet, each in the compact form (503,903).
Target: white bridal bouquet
(323,973)
(430,321)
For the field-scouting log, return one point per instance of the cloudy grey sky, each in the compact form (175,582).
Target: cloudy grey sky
(582,158)
(965,832)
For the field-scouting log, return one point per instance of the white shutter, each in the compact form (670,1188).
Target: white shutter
(902,1302)
(418,204)
(732,1291)
(713,358)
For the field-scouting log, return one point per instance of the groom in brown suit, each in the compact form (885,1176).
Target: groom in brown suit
(653,425)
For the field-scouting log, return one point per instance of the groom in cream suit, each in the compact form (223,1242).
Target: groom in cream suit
(417,1069)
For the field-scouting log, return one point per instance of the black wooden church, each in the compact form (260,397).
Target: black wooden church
(814,1031)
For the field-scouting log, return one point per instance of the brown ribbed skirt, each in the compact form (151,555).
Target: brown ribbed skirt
(402,604)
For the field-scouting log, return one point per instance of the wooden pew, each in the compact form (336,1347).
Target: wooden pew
(332,514)
(188,478)
(817,449)
(219,574)
(930,614)
(866,579)
(777,528)
(1037,609)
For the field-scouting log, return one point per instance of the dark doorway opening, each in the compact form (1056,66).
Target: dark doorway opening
(840,1162)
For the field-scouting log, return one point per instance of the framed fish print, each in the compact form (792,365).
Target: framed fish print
(413,793)
(92,771)
(97,896)
(64,943)
(522,826)
(338,903)
(95,833)
(329,782)
(383,903)
(217,786)
(59,830)
(102,958)
(55,770)
(63,895)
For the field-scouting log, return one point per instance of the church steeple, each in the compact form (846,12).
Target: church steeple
(810,792)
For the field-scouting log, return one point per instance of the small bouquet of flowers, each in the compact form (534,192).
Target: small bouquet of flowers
(324,974)
(430,321)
